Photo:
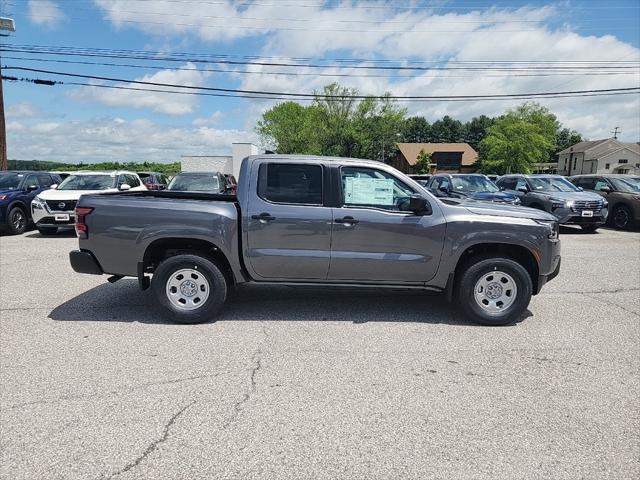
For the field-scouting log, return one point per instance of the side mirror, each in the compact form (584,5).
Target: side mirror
(124,187)
(55,185)
(605,189)
(444,189)
(418,204)
(523,189)
(31,188)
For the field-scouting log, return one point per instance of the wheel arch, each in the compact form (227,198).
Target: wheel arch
(518,253)
(163,248)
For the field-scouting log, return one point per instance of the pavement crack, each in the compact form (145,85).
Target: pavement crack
(153,445)
(246,396)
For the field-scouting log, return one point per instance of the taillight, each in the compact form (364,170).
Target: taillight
(82,231)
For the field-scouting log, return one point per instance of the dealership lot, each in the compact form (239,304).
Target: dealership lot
(316,383)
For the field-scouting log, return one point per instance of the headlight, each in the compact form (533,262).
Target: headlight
(3,197)
(554,228)
(37,202)
(556,203)
(569,203)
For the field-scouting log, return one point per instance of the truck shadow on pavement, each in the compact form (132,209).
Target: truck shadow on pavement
(124,302)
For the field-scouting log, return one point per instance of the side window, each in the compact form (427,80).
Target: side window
(45,180)
(368,187)
(521,183)
(435,183)
(445,183)
(588,183)
(290,183)
(32,180)
(121,179)
(133,181)
(599,183)
(507,183)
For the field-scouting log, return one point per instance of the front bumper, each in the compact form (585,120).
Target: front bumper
(567,216)
(83,261)
(43,216)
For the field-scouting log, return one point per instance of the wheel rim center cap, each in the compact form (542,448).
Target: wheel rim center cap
(188,288)
(494,290)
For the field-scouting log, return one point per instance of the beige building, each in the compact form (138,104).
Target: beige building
(600,156)
(448,157)
(226,164)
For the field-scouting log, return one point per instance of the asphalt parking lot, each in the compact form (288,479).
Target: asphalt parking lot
(319,383)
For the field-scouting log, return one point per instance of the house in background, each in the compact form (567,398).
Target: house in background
(447,157)
(226,164)
(600,156)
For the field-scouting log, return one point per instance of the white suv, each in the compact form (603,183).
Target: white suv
(55,208)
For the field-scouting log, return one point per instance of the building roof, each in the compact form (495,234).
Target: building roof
(410,151)
(584,146)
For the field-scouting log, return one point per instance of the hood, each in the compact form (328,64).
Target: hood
(54,194)
(585,196)
(492,196)
(512,211)
(8,191)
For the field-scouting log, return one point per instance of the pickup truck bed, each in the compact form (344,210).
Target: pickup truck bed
(314,220)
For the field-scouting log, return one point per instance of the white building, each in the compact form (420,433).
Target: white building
(228,164)
(600,156)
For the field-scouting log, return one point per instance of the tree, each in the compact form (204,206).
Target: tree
(288,127)
(423,162)
(475,130)
(416,130)
(513,145)
(564,139)
(447,130)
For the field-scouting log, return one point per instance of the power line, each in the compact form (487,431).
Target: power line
(289,95)
(224,61)
(321,74)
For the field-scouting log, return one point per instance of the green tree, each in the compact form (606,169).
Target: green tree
(475,130)
(423,162)
(416,130)
(288,127)
(447,130)
(564,139)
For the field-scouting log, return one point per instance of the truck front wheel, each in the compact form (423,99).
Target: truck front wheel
(494,291)
(188,289)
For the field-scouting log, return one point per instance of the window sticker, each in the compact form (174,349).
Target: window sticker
(368,191)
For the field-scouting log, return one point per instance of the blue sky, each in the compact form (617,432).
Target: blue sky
(72,123)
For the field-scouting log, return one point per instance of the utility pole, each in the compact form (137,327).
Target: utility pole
(615,132)
(6,24)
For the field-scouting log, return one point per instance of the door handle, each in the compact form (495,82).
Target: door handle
(264,217)
(347,221)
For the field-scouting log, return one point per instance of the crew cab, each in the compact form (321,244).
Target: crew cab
(318,221)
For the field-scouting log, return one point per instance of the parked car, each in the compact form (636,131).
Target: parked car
(207,182)
(322,221)
(421,178)
(232,184)
(558,196)
(154,180)
(493,178)
(471,186)
(621,191)
(55,208)
(62,174)
(17,190)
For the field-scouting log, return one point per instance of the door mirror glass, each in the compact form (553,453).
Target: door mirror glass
(124,187)
(31,188)
(605,188)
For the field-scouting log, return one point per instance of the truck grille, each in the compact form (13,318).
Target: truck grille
(61,205)
(594,205)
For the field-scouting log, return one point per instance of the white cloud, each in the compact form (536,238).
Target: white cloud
(46,13)
(22,110)
(115,139)
(176,104)
(214,119)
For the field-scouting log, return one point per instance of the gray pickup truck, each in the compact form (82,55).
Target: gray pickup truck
(318,221)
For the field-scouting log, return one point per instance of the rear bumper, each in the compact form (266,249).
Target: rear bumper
(83,261)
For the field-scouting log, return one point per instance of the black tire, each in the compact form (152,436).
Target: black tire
(480,267)
(621,217)
(590,227)
(17,221)
(47,230)
(211,272)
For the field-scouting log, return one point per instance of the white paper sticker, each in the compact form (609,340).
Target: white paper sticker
(368,191)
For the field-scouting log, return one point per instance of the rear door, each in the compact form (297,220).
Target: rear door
(373,239)
(288,226)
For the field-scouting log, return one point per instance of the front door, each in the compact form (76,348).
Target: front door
(288,227)
(374,240)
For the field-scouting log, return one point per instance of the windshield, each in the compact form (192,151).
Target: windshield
(10,181)
(195,183)
(473,183)
(626,184)
(552,184)
(88,182)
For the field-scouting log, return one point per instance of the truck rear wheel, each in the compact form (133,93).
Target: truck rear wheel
(494,291)
(188,289)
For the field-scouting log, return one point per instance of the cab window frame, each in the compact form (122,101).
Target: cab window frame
(263,173)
